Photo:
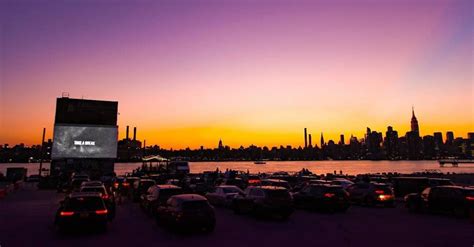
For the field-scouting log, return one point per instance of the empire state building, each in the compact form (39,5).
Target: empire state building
(414,122)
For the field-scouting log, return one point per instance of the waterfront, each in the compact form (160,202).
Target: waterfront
(318,167)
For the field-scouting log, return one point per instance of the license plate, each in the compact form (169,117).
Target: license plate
(84,215)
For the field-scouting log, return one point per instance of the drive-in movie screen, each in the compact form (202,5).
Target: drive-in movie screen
(84,142)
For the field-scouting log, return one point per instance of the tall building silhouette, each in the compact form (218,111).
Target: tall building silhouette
(414,122)
(305,138)
(322,140)
(310,142)
(220,144)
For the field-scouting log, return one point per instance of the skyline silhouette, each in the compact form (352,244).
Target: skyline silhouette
(247,72)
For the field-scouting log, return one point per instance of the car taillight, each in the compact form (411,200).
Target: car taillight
(470,198)
(125,184)
(64,213)
(116,185)
(329,195)
(105,197)
(379,192)
(101,212)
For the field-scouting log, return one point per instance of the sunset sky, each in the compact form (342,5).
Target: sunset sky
(188,73)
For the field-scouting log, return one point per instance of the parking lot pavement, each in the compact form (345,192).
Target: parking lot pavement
(26,219)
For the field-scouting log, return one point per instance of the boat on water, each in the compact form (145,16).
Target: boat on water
(259,162)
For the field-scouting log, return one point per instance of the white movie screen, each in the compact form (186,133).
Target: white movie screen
(84,142)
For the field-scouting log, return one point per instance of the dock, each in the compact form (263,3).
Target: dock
(454,162)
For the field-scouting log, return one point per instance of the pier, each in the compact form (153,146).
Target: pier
(454,162)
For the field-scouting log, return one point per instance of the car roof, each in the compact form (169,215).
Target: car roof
(84,194)
(166,186)
(93,187)
(326,185)
(268,187)
(189,197)
(146,180)
(451,187)
(275,180)
(227,186)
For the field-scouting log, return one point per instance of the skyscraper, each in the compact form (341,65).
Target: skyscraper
(414,122)
(449,137)
(220,144)
(342,142)
(305,138)
(310,142)
(322,140)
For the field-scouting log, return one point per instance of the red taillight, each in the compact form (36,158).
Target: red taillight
(101,212)
(125,184)
(116,185)
(379,191)
(66,213)
(105,197)
(329,195)
(470,198)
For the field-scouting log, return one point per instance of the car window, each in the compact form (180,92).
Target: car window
(426,192)
(94,189)
(277,193)
(306,189)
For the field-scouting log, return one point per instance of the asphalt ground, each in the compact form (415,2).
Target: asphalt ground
(26,219)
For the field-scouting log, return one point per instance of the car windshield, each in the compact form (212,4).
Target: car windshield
(277,193)
(94,189)
(231,190)
(84,204)
(194,205)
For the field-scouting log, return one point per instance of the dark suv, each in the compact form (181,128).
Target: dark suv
(140,187)
(372,194)
(82,210)
(187,212)
(264,200)
(157,195)
(449,199)
(108,198)
(332,198)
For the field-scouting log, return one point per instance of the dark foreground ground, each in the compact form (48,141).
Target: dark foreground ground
(26,219)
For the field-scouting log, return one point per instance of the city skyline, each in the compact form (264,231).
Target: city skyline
(250,73)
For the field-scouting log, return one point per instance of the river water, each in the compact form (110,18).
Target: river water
(318,167)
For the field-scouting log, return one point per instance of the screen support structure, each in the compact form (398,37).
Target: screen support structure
(41,154)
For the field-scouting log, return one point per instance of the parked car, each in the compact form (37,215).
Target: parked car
(449,199)
(117,183)
(371,194)
(127,184)
(157,195)
(345,183)
(91,183)
(223,195)
(263,201)
(332,198)
(187,212)
(76,183)
(140,186)
(406,185)
(108,198)
(275,182)
(80,210)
